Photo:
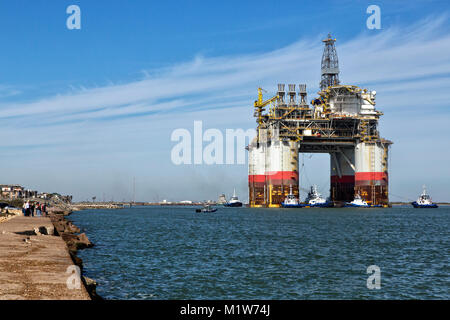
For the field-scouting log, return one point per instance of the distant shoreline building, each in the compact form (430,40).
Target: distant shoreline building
(13,192)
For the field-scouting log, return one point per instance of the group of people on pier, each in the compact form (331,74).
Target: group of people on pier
(31,209)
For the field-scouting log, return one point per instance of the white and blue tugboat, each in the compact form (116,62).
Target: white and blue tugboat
(424,201)
(291,201)
(314,199)
(234,201)
(358,202)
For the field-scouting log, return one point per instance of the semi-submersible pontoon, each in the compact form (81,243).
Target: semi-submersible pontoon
(341,121)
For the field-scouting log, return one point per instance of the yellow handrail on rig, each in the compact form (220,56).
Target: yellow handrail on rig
(259,108)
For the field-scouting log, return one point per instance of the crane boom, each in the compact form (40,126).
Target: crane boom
(259,108)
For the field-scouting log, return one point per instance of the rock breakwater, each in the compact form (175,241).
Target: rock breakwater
(75,241)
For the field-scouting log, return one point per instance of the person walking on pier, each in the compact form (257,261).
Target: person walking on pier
(44,209)
(38,210)
(32,209)
(27,209)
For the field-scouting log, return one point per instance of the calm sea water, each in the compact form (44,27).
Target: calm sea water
(242,253)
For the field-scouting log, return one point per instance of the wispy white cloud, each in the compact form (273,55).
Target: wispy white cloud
(7,91)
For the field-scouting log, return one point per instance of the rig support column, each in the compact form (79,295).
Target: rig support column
(281,171)
(257,174)
(371,178)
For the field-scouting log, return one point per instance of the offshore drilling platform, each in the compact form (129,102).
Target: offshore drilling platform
(341,121)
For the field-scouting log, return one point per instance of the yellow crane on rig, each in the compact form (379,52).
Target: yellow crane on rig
(259,108)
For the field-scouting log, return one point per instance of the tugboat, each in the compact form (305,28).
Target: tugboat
(314,199)
(234,201)
(291,201)
(206,208)
(424,201)
(357,202)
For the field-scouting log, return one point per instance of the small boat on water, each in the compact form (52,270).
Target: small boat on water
(424,201)
(234,201)
(206,208)
(291,201)
(315,199)
(358,202)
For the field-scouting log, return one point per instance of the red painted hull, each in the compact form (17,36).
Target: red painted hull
(371,178)
(373,187)
(278,181)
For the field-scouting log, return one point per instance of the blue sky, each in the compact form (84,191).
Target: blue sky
(84,111)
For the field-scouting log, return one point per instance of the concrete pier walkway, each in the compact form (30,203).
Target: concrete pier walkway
(34,266)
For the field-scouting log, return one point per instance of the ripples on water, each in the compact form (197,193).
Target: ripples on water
(243,253)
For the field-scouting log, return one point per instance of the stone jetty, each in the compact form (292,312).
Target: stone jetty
(37,259)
